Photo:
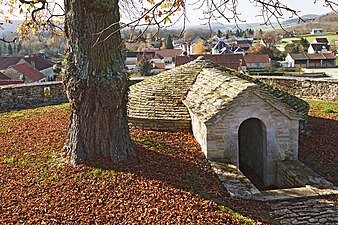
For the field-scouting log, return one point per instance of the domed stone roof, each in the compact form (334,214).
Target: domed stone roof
(157,102)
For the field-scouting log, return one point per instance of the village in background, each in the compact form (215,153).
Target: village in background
(298,50)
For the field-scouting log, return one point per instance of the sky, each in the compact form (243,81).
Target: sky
(249,12)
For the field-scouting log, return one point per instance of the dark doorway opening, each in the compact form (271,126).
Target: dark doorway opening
(252,150)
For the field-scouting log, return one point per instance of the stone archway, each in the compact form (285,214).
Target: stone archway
(252,143)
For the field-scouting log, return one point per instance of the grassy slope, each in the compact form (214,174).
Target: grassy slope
(331,37)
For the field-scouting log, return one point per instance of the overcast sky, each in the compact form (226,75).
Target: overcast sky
(249,12)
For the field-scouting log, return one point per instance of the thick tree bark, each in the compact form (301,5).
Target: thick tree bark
(96,83)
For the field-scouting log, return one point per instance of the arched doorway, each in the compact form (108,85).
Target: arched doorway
(252,150)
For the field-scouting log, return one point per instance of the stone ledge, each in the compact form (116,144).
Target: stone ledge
(240,186)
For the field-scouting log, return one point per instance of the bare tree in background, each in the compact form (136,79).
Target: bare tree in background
(96,80)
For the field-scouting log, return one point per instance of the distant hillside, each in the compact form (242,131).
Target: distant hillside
(307,18)
(329,22)
(327,18)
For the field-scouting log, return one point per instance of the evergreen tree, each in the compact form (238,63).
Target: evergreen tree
(169,43)
(19,47)
(144,67)
(238,33)
(219,33)
(10,49)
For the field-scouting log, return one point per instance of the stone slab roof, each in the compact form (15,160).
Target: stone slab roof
(216,91)
(206,88)
(160,97)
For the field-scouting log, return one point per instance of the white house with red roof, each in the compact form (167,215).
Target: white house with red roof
(38,63)
(25,72)
(41,64)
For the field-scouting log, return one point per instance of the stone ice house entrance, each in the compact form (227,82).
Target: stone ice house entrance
(248,124)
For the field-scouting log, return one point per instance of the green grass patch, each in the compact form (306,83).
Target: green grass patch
(329,110)
(332,37)
(7,160)
(18,114)
(323,109)
(235,214)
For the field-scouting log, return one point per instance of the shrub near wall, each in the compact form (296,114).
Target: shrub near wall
(304,87)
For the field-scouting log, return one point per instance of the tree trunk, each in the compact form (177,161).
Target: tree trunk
(96,83)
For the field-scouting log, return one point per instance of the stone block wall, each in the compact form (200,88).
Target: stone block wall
(287,178)
(31,95)
(304,87)
(159,125)
(294,173)
(19,96)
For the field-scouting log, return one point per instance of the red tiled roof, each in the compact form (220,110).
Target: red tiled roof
(329,55)
(159,65)
(243,46)
(232,61)
(26,70)
(298,56)
(169,52)
(8,82)
(40,62)
(257,58)
(316,56)
(4,77)
(6,62)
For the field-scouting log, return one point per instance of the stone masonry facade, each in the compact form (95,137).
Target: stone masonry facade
(220,141)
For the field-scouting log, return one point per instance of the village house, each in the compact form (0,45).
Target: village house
(6,62)
(163,59)
(317,31)
(38,63)
(41,64)
(232,61)
(314,60)
(132,59)
(256,62)
(25,73)
(321,41)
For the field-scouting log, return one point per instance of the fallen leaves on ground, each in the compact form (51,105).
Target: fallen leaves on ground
(168,181)
(319,148)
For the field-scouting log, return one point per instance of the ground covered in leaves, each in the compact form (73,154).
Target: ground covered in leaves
(168,181)
(319,147)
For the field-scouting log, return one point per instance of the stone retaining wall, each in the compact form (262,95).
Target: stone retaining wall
(31,95)
(304,87)
(296,174)
(160,125)
(19,96)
